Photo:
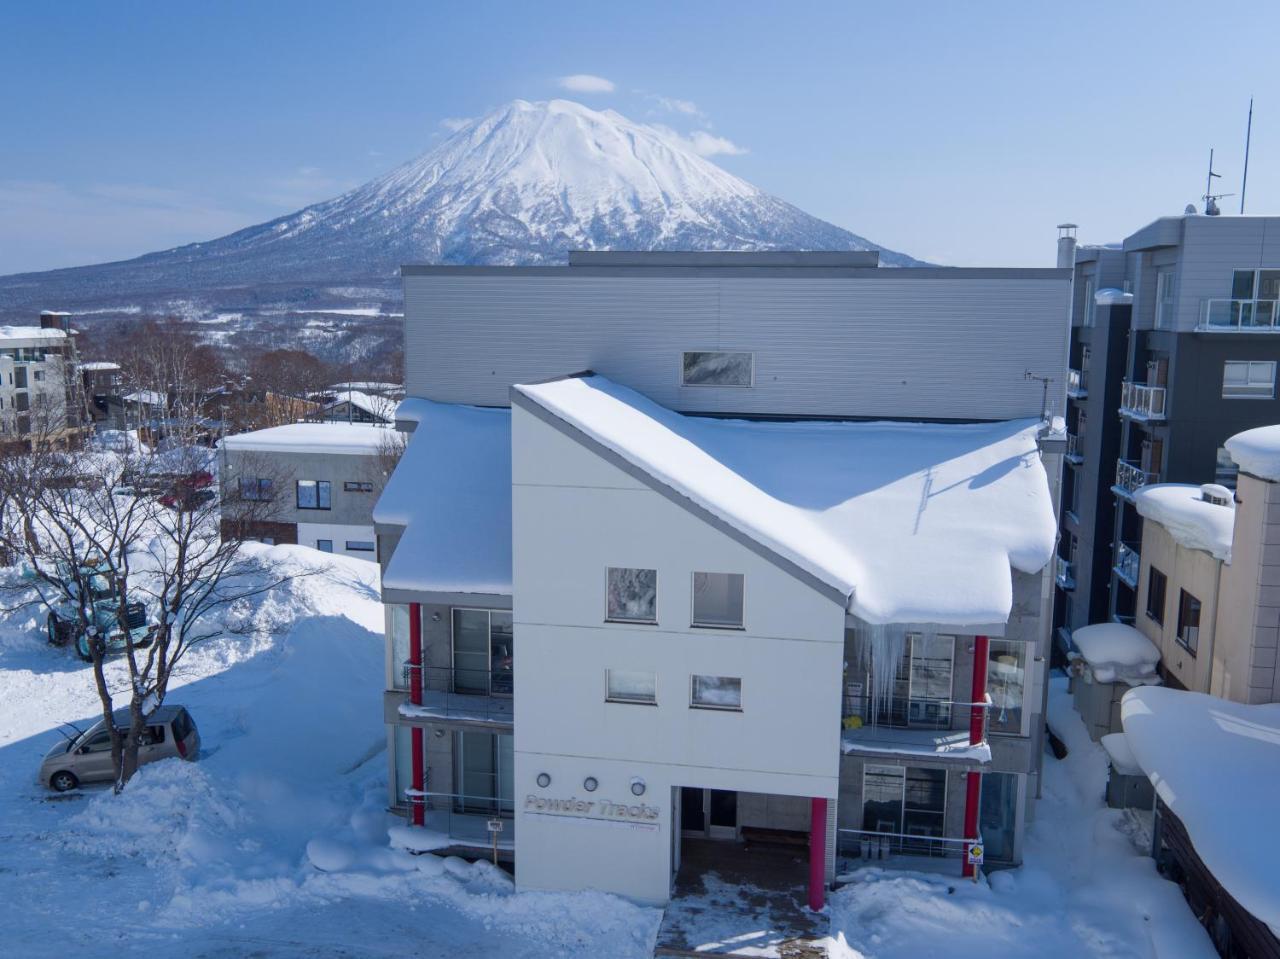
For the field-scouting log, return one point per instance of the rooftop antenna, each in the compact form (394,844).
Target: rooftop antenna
(1210,198)
(1248,135)
(1044,401)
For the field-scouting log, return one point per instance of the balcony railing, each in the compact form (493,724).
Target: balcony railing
(1075,448)
(913,712)
(1077,384)
(868,845)
(1141,402)
(465,818)
(1127,563)
(1240,316)
(1130,477)
(1065,573)
(463,694)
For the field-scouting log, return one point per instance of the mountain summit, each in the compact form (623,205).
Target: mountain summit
(525,184)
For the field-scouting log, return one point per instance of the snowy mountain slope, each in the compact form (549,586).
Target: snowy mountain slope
(524,184)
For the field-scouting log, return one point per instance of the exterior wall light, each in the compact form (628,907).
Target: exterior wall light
(637,786)
(590,784)
(544,780)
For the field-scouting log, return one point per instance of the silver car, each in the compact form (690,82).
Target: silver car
(86,758)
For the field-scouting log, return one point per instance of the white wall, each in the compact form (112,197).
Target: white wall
(574,515)
(310,533)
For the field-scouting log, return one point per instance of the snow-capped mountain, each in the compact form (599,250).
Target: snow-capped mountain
(524,184)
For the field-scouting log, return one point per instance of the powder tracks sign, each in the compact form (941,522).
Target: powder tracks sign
(596,811)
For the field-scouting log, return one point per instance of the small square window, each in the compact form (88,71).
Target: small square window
(324,545)
(1254,379)
(715,368)
(717,600)
(1156,583)
(716,692)
(631,686)
(633,595)
(314,494)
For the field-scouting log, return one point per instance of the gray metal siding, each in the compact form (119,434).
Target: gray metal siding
(936,347)
(1213,247)
(285,469)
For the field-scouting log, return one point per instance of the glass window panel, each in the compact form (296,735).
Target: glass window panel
(882,788)
(924,802)
(930,678)
(717,599)
(717,368)
(998,814)
(471,651)
(307,495)
(633,594)
(1188,621)
(720,692)
(506,772)
(404,761)
(501,653)
(1006,682)
(323,495)
(399,616)
(1155,595)
(476,762)
(632,686)
(1242,285)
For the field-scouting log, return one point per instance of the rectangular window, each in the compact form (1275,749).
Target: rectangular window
(398,626)
(1156,582)
(483,652)
(1006,683)
(632,595)
(1249,378)
(39,376)
(631,686)
(715,368)
(361,546)
(351,486)
(716,692)
(324,545)
(717,600)
(255,488)
(1164,300)
(904,800)
(998,815)
(1086,315)
(20,377)
(313,494)
(1226,472)
(483,773)
(1188,622)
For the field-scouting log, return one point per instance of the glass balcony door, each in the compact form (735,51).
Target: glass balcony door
(483,652)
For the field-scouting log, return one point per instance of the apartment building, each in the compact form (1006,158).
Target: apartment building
(705,548)
(39,393)
(323,477)
(1175,341)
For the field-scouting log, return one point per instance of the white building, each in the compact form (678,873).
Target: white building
(616,628)
(37,380)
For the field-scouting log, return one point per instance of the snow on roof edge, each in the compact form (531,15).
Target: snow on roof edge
(1257,452)
(1192,521)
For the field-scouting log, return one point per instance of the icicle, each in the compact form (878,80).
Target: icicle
(880,649)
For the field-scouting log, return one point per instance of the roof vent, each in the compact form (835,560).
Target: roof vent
(1217,495)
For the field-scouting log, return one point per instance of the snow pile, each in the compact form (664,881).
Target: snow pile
(362,439)
(913,522)
(1216,765)
(1110,296)
(451,491)
(1191,520)
(1120,755)
(1117,652)
(1257,452)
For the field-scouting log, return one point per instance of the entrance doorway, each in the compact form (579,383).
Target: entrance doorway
(708,813)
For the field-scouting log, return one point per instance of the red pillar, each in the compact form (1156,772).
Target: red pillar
(418,803)
(977,731)
(817,853)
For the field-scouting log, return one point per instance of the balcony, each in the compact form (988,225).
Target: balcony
(459,695)
(1077,384)
(1141,402)
(1239,316)
(896,850)
(912,726)
(1130,477)
(1127,564)
(1064,573)
(452,820)
(1075,449)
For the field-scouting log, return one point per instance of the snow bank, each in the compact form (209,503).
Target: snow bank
(364,439)
(1216,765)
(1116,652)
(1257,452)
(1191,521)
(451,491)
(913,522)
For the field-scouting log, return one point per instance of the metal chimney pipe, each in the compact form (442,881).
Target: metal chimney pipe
(1066,246)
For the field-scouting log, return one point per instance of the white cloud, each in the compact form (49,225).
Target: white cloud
(454,124)
(703,142)
(585,83)
(676,105)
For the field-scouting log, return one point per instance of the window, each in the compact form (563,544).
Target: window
(632,595)
(484,773)
(1188,622)
(324,545)
(1006,682)
(255,488)
(904,800)
(717,600)
(1164,300)
(1086,316)
(716,692)
(631,686)
(1155,595)
(352,486)
(1249,378)
(20,377)
(361,546)
(313,494)
(39,376)
(100,743)
(717,369)
(398,620)
(483,646)
(998,814)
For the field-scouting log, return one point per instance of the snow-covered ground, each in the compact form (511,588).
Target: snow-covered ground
(275,843)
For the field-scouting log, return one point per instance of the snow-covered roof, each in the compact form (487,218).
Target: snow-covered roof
(31,333)
(364,439)
(1191,520)
(146,398)
(1216,765)
(1117,652)
(1257,452)
(379,406)
(94,366)
(368,386)
(451,491)
(911,522)
(1109,296)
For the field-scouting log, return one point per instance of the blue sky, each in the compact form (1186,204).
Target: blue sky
(959,133)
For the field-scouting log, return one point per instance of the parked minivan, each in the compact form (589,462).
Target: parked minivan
(86,758)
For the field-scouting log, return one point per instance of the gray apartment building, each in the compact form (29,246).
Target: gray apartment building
(1175,342)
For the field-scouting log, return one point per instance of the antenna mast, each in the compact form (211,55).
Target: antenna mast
(1210,198)
(1248,135)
